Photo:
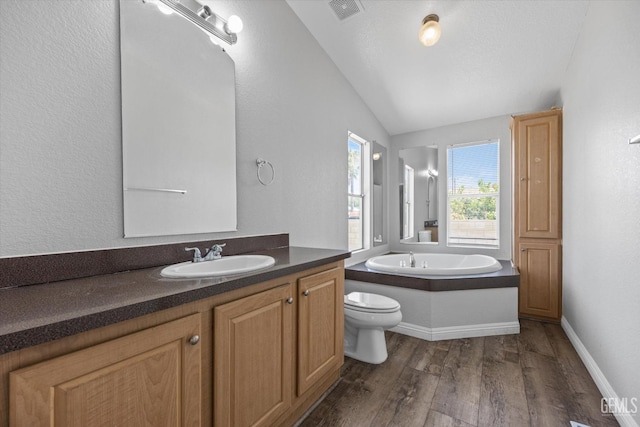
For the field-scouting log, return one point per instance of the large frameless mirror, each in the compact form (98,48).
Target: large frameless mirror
(178,125)
(418,195)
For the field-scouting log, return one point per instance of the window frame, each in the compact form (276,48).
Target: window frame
(495,195)
(363,195)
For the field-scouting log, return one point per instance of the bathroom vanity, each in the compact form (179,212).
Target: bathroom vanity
(256,349)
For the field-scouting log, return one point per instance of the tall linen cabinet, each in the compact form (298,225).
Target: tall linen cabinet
(537,208)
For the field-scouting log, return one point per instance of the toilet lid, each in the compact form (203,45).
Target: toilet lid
(373,302)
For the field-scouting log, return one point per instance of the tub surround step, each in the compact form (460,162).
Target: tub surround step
(507,277)
(446,307)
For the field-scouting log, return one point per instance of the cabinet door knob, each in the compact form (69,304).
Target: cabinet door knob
(194,340)
(523,179)
(290,300)
(306,293)
(523,250)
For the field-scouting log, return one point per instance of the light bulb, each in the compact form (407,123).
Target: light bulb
(164,8)
(234,24)
(430,31)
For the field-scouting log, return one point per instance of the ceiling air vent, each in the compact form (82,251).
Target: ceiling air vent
(345,8)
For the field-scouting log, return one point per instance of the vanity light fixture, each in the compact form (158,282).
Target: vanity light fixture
(203,17)
(204,12)
(430,31)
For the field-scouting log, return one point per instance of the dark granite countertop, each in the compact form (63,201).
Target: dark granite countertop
(31,315)
(507,277)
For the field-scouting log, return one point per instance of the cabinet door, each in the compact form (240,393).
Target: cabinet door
(538,161)
(540,273)
(150,378)
(320,326)
(253,350)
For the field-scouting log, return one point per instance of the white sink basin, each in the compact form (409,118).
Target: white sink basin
(225,266)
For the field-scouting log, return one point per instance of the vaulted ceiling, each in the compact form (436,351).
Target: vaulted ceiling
(493,58)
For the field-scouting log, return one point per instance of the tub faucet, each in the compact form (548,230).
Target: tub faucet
(412,260)
(215,252)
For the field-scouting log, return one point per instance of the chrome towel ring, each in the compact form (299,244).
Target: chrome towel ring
(260,163)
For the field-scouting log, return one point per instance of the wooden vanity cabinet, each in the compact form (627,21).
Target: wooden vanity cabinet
(540,274)
(537,203)
(253,351)
(264,341)
(265,354)
(149,378)
(320,326)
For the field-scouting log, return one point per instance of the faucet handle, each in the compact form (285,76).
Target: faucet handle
(197,256)
(214,252)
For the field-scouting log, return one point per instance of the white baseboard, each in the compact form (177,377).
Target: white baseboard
(603,385)
(454,332)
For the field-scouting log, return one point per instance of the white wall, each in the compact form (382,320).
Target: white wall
(479,130)
(601,190)
(60,128)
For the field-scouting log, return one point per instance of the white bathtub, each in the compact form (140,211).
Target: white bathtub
(434,264)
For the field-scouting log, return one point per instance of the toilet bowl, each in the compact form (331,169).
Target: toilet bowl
(366,316)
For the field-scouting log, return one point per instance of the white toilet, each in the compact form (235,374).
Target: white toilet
(366,316)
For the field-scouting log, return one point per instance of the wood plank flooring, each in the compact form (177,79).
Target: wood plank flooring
(535,379)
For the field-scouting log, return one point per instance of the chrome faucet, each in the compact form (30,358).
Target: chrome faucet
(215,252)
(412,260)
(197,256)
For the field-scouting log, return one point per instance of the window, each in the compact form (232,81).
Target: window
(473,196)
(358,182)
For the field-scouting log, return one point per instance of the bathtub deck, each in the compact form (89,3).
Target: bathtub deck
(507,277)
(535,378)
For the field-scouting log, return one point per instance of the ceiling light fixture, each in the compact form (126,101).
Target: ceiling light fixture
(203,17)
(430,31)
